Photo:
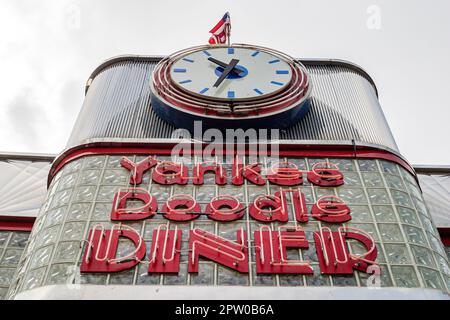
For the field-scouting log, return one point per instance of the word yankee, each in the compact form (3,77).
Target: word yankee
(100,254)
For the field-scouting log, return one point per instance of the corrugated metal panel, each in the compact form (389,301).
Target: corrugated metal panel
(23,187)
(435,184)
(344,106)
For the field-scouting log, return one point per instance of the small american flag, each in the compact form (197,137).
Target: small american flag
(221,32)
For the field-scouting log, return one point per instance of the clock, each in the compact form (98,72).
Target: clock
(257,73)
(238,86)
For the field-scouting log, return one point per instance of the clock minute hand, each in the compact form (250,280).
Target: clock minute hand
(225,72)
(220,63)
(223,64)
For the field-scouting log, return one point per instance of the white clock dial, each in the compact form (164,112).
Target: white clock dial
(257,73)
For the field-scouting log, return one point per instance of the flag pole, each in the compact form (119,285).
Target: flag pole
(228,33)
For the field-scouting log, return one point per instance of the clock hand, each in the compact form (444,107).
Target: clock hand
(225,72)
(224,65)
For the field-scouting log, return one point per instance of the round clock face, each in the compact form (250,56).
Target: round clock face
(228,73)
(238,86)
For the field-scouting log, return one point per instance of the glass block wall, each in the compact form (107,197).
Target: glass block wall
(12,244)
(384,199)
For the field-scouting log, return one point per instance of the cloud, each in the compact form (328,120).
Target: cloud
(25,115)
(49,48)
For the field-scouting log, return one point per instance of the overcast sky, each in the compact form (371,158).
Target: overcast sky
(49,48)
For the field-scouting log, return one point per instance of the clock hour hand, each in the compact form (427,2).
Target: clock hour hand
(223,64)
(225,72)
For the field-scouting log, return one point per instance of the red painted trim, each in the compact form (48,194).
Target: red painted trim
(285,150)
(16,223)
(445,236)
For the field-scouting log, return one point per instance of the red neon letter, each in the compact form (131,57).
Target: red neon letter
(209,166)
(119,212)
(228,253)
(285,174)
(100,251)
(225,208)
(271,255)
(300,208)
(331,209)
(268,208)
(333,254)
(167,173)
(181,207)
(165,251)
(138,169)
(251,172)
(325,174)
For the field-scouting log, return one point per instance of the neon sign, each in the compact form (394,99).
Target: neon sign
(270,246)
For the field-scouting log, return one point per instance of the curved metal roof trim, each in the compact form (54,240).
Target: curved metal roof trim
(345,107)
(306,61)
